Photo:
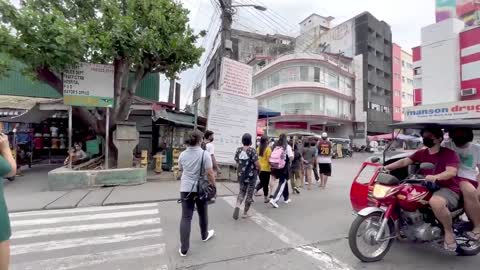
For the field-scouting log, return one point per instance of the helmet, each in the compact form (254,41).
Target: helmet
(324,135)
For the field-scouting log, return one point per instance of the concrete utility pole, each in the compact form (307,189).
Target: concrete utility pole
(177,97)
(227,20)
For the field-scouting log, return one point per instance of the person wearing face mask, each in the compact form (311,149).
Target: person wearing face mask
(469,153)
(446,163)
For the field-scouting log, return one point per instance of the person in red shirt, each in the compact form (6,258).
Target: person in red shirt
(446,164)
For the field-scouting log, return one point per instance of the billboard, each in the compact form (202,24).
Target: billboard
(89,85)
(236,78)
(229,117)
(445,9)
(445,111)
(341,38)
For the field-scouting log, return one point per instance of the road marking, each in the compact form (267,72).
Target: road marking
(82,210)
(89,260)
(19,234)
(77,242)
(41,221)
(293,239)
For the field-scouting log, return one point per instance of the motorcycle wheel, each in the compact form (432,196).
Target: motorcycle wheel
(372,251)
(470,248)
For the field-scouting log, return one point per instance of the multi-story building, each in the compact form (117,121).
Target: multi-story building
(362,35)
(402,81)
(313,92)
(447,64)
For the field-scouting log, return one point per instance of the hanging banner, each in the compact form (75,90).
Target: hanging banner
(444,111)
(236,78)
(88,85)
(230,116)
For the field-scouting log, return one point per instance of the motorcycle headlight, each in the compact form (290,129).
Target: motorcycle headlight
(381,191)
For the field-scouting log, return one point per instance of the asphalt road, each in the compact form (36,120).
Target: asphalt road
(309,233)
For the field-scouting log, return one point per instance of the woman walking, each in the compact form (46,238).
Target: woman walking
(296,171)
(8,168)
(196,165)
(281,156)
(264,151)
(247,160)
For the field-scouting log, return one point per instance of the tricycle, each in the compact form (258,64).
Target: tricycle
(395,205)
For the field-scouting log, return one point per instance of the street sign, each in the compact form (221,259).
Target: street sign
(444,111)
(236,78)
(89,85)
(230,116)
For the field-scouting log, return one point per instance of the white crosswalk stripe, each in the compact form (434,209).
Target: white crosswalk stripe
(113,237)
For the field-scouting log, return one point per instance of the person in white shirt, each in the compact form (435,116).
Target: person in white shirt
(210,148)
(467,175)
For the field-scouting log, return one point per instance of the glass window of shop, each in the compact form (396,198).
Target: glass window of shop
(303,73)
(331,105)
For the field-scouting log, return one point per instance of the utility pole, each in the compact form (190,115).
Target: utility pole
(227,20)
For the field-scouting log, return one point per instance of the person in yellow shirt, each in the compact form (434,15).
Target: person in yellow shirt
(264,151)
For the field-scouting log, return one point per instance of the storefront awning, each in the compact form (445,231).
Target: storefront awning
(177,118)
(264,112)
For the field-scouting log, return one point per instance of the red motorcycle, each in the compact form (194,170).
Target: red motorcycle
(389,208)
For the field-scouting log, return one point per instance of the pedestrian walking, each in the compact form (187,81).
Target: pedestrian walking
(324,159)
(264,151)
(210,148)
(309,160)
(248,166)
(281,156)
(196,165)
(296,170)
(8,168)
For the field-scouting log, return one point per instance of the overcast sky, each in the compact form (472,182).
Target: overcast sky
(406,17)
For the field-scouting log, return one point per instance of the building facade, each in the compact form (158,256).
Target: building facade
(313,92)
(402,69)
(447,64)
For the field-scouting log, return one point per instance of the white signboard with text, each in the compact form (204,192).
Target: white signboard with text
(89,85)
(444,111)
(230,116)
(236,78)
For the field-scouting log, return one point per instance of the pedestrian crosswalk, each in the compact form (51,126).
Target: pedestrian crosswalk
(111,237)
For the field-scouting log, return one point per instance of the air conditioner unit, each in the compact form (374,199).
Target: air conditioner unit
(468,92)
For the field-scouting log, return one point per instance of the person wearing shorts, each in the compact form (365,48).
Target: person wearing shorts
(324,159)
(444,174)
(7,168)
(469,154)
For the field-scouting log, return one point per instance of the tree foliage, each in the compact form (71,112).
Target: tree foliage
(139,36)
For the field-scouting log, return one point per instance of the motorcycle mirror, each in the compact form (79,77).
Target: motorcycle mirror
(427,166)
(375,159)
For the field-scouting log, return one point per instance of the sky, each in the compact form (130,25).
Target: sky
(406,18)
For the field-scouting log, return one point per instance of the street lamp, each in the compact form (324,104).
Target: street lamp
(261,8)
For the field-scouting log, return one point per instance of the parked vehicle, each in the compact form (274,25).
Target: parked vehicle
(395,205)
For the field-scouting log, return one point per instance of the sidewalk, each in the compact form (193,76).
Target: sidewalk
(30,192)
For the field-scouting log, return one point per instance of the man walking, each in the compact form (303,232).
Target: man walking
(210,148)
(324,159)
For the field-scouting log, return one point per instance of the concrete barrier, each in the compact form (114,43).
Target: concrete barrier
(66,179)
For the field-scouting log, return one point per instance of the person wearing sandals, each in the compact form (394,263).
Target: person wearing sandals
(195,164)
(248,166)
(467,176)
(8,168)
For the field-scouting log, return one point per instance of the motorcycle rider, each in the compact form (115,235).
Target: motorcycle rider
(469,153)
(446,163)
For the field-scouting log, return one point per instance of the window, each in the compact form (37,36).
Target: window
(398,110)
(303,74)
(397,93)
(316,74)
(409,81)
(417,71)
(385,109)
(396,76)
(403,78)
(331,104)
(403,94)
(332,80)
(403,63)
(275,79)
(397,60)
(409,65)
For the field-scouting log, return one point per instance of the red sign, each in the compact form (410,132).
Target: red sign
(291,125)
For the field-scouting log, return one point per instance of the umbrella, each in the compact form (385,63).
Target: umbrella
(265,113)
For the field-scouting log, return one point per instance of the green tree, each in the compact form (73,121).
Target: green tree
(136,36)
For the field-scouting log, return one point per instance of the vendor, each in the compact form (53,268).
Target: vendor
(77,154)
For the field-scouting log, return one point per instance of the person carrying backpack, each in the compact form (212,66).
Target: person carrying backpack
(248,166)
(280,158)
